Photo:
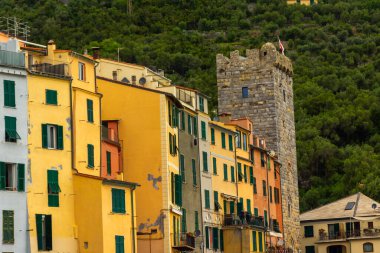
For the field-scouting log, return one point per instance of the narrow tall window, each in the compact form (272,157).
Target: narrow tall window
(245,147)
(203,130)
(254,240)
(53,188)
(207,199)
(230,143)
(8,227)
(238,139)
(9,93)
(119,244)
(108,154)
(196,220)
(205,163)
(81,71)
(184,227)
(11,134)
(90,156)
(90,110)
(264,188)
(244,92)
(52,136)
(212,136)
(225,172)
(118,200)
(194,168)
(215,169)
(44,232)
(201,104)
(223,136)
(254,185)
(182,166)
(232,174)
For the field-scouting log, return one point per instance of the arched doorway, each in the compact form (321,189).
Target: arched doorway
(336,249)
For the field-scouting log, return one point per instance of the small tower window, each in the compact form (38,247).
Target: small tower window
(284,95)
(244,92)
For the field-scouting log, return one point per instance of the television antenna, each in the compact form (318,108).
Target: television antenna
(14,27)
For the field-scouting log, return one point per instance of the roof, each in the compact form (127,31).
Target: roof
(223,126)
(354,206)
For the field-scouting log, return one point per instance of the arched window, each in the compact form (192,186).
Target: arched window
(368,247)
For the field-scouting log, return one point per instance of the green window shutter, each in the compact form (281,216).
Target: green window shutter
(245,173)
(49,232)
(249,206)
(268,162)
(256,212)
(118,200)
(195,123)
(184,228)
(266,218)
(215,238)
(216,200)
(254,186)
(225,206)
(221,240)
(183,120)
(20,177)
(232,207)
(254,240)
(232,174)
(53,188)
(2,176)
(178,189)
(201,104)
(196,220)
(90,155)
(119,244)
(212,136)
(215,169)
(60,137)
(90,110)
(264,188)
(189,126)
(173,187)
(122,201)
(240,207)
(240,174)
(193,166)
(207,199)
(207,238)
(11,134)
(182,166)
(205,163)
(260,241)
(174,144)
(309,249)
(8,227)
(108,155)
(251,174)
(9,93)
(203,129)
(230,143)
(51,97)
(223,136)
(174,115)
(44,136)
(309,231)
(225,172)
(39,231)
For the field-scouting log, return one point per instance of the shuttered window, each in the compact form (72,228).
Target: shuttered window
(196,220)
(183,120)
(207,238)
(311,249)
(223,136)
(245,173)
(118,200)
(108,154)
(270,194)
(21,177)
(207,199)
(230,142)
(90,110)
(212,136)
(11,134)
(53,188)
(260,241)
(90,156)
(251,174)
(225,172)
(119,244)
(182,166)
(178,190)
(266,218)
(184,227)
(194,168)
(8,227)
(203,130)
(215,238)
(216,201)
(195,126)
(256,212)
(240,174)
(215,169)
(232,207)
(254,185)
(249,206)
(264,188)
(232,174)
(52,136)
(309,231)
(201,104)
(51,97)
(205,163)
(221,240)
(44,232)
(268,162)
(254,240)
(9,93)
(240,206)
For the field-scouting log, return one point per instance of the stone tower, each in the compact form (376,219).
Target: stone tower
(259,86)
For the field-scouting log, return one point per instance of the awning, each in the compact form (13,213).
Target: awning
(229,197)
(275,234)
(12,134)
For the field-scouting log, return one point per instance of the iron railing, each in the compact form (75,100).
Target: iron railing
(12,59)
(184,240)
(368,232)
(57,70)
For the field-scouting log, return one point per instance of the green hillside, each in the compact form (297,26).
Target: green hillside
(334,45)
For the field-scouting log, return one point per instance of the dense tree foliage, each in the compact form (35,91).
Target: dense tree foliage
(334,45)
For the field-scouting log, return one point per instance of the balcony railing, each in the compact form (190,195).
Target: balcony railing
(244,218)
(341,235)
(109,134)
(12,59)
(184,242)
(57,70)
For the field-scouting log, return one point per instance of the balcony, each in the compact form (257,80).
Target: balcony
(245,219)
(368,232)
(185,97)
(12,59)
(56,70)
(110,135)
(185,243)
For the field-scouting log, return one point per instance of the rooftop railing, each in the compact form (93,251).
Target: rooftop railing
(12,59)
(57,70)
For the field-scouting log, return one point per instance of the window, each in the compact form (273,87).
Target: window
(44,232)
(207,237)
(8,227)
(81,71)
(178,190)
(90,156)
(284,95)
(201,104)
(230,143)
(119,244)
(245,147)
(248,205)
(90,111)
(262,159)
(264,188)
(215,169)
(309,249)
(245,174)
(240,206)
(182,120)
(232,207)
(256,212)
(118,200)
(260,241)
(268,162)
(207,199)
(254,240)
(254,185)
(225,172)
(251,174)
(240,174)
(276,195)
(350,205)
(217,206)
(11,134)
(368,247)
(182,166)
(215,238)
(184,227)
(174,115)
(53,188)
(114,75)
(221,240)
(223,136)
(108,155)
(270,194)
(205,163)
(173,144)
(52,136)
(51,97)
(266,218)
(212,136)
(12,177)
(193,166)
(244,92)
(309,231)
(238,139)
(203,130)
(9,93)
(232,174)
(196,220)
(190,129)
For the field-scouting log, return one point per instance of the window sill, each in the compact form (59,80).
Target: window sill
(51,104)
(89,167)
(118,213)
(10,107)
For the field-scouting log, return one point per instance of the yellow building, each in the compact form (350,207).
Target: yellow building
(348,225)
(305,2)
(149,121)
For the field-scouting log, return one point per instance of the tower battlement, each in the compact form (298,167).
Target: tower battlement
(265,57)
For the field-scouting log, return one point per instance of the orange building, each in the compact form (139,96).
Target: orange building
(112,164)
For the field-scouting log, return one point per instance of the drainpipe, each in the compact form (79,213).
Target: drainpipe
(72,127)
(236,173)
(133,221)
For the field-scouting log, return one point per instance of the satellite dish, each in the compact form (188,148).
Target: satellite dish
(374,206)
(142,80)
(197,233)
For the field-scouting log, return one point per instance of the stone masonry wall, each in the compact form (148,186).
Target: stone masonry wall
(268,76)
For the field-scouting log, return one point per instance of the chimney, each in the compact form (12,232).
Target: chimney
(225,117)
(95,52)
(51,47)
